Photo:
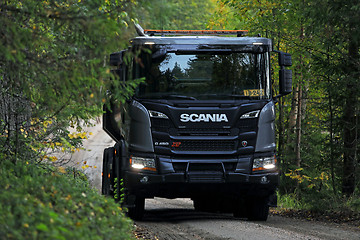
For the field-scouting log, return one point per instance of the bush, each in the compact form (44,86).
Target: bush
(42,202)
(321,203)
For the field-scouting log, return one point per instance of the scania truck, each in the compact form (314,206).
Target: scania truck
(201,125)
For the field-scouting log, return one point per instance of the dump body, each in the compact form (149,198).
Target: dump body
(202,125)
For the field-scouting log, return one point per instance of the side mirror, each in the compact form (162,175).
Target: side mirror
(285,81)
(285,75)
(116,58)
(159,56)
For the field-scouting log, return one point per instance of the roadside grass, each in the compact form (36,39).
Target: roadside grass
(38,201)
(322,206)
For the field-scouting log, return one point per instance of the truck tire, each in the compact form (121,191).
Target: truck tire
(137,212)
(258,209)
(105,186)
(199,205)
(239,210)
(205,205)
(106,181)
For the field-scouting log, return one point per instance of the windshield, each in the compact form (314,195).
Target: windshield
(204,76)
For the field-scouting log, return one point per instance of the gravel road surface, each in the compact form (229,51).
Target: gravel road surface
(177,219)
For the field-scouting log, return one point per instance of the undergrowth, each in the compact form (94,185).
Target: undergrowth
(321,206)
(42,202)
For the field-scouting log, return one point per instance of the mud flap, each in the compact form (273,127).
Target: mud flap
(107,173)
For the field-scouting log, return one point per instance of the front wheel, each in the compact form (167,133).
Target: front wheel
(205,205)
(258,209)
(137,212)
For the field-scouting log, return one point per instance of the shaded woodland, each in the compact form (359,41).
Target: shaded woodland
(54,74)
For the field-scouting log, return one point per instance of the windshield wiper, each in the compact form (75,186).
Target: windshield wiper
(165,97)
(174,96)
(237,96)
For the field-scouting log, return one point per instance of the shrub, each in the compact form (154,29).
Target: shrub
(41,202)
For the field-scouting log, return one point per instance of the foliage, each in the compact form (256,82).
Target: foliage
(54,79)
(170,14)
(53,76)
(289,201)
(320,203)
(321,207)
(53,69)
(42,202)
(317,127)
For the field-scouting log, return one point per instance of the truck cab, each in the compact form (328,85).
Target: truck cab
(201,125)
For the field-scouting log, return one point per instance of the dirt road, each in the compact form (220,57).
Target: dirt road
(176,219)
(89,160)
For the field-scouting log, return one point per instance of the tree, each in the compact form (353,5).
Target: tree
(170,14)
(53,69)
(342,47)
(281,21)
(323,38)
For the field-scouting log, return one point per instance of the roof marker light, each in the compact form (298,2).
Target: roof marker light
(195,32)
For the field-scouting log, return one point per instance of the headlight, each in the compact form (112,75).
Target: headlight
(155,114)
(253,114)
(142,163)
(264,163)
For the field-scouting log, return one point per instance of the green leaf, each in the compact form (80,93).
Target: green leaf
(42,227)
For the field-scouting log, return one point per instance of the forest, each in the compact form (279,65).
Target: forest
(54,73)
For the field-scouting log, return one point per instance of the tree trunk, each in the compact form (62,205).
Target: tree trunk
(350,128)
(299,107)
(298,129)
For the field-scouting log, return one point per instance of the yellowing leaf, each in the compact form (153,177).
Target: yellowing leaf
(62,169)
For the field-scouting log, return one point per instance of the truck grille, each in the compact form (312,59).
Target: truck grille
(180,167)
(204,132)
(247,124)
(206,145)
(160,125)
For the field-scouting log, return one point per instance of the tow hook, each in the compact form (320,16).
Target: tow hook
(264,180)
(144,180)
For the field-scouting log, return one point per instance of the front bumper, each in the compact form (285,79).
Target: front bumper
(195,184)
